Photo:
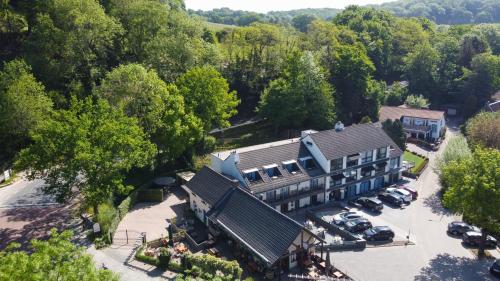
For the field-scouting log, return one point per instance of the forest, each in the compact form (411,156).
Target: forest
(439,11)
(146,81)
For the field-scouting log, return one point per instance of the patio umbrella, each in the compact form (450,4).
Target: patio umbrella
(170,236)
(328,263)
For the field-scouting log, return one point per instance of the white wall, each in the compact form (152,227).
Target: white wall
(316,153)
(197,205)
(307,239)
(226,166)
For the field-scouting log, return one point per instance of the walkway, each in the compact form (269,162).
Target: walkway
(150,218)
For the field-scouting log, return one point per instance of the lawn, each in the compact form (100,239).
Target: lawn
(417,160)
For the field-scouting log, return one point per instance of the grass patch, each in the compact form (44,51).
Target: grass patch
(9,181)
(417,160)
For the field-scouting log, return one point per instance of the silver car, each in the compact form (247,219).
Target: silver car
(403,193)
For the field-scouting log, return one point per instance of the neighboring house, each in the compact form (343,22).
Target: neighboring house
(318,167)
(494,104)
(424,124)
(231,212)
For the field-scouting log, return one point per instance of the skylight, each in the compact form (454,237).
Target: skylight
(272,171)
(291,166)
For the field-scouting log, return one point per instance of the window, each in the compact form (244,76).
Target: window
(367,157)
(314,183)
(308,163)
(351,175)
(260,196)
(394,163)
(293,256)
(293,190)
(252,175)
(291,166)
(336,180)
(381,153)
(337,164)
(272,171)
(285,191)
(270,196)
(352,160)
(367,171)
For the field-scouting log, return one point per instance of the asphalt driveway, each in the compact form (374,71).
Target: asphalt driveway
(435,255)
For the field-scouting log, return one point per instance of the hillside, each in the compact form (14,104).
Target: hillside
(439,11)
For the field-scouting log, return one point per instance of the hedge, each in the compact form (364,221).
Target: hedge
(150,195)
(146,259)
(211,264)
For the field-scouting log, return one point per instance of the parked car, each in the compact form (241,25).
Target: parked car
(391,198)
(342,218)
(404,194)
(372,204)
(459,228)
(495,268)
(473,238)
(379,233)
(412,191)
(358,225)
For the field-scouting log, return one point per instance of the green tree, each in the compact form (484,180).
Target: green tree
(416,101)
(484,129)
(394,130)
(207,95)
(421,70)
(456,150)
(86,150)
(470,45)
(351,75)
(480,83)
(23,104)
(301,97)
(395,94)
(54,259)
(160,108)
(70,44)
(473,190)
(301,22)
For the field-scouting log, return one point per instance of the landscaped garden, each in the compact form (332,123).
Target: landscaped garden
(418,161)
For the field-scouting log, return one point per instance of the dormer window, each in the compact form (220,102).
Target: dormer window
(308,163)
(252,175)
(272,171)
(291,166)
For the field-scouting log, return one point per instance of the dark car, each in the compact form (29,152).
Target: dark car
(412,191)
(372,204)
(391,198)
(495,268)
(380,233)
(473,238)
(358,225)
(459,228)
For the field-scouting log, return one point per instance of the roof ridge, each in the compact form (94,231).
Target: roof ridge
(219,174)
(268,206)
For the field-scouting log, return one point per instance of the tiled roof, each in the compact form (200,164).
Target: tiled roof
(394,112)
(276,155)
(210,185)
(252,222)
(353,139)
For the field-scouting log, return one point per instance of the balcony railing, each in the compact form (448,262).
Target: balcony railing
(299,194)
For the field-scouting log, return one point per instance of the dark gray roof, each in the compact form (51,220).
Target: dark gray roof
(209,185)
(353,139)
(276,155)
(264,230)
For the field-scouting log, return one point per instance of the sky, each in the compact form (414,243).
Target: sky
(264,6)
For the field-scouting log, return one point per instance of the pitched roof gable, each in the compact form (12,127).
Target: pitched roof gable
(267,232)
(353,139)
(210,185)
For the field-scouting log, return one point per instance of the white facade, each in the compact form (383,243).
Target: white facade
(437,125)
(197,205)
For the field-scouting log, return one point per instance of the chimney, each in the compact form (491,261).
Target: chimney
(236,156)
(339,126)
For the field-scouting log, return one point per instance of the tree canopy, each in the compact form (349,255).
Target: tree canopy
(23,104)
(484,129)
(86,147)
(473,180)
(54,259)
(207,95)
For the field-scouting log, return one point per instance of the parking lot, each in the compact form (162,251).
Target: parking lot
(433,255)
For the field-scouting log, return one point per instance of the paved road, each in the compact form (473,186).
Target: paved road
(23,193)
(435,255)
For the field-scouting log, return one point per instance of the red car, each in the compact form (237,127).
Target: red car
(413,192)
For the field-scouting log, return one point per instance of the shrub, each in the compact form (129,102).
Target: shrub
(139,255)
(209,144)
(211,264)
(176,267)
(164,258)
(105,218)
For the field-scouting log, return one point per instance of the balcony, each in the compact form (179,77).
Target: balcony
(297,195)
